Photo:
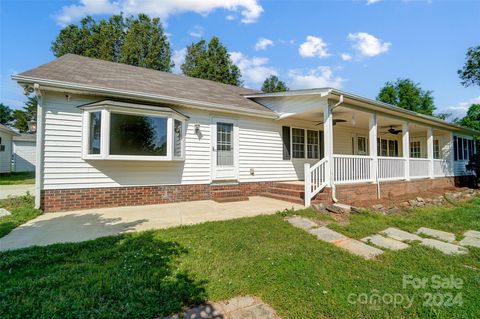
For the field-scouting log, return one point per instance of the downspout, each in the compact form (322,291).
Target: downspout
(334,190)
(39,148)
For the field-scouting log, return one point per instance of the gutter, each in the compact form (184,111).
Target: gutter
(39,148)
(145,96)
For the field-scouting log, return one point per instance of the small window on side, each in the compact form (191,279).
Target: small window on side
(94,133)
(178,137)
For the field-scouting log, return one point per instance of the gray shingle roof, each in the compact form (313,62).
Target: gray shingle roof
(7,130)
(76,69)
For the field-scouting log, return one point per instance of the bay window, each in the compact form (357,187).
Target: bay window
(126,131)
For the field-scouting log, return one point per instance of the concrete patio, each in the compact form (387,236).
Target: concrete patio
(76,226)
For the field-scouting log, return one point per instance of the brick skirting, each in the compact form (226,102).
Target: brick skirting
(352,193)
(56,200)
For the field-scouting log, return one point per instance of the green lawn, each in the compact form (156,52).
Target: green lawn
(149,274)
(22,209)
(18,178)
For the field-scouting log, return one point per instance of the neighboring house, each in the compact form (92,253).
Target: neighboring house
(112,134)
(6,135)
(24,155)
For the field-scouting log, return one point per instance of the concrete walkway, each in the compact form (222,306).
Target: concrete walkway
(89,224)
(16,190)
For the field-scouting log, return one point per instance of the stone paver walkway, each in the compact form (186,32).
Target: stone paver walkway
(439,234)
(391,238)
(385,242)
(244,307)
(330,236)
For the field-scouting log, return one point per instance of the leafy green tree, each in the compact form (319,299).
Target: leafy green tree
(29,113)
(472,119)
(5,114)
(139,41)
(470,74)
(272,84)
(408,95)
(146,44)
(211,62)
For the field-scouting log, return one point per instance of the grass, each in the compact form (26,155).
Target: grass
(149,274)
(17,178)
(22,209)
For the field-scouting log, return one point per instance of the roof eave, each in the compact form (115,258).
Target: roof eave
(21,79)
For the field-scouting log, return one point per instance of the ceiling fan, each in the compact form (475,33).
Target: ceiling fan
(335,121)
(392,131)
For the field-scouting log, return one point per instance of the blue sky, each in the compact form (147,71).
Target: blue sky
(354,45)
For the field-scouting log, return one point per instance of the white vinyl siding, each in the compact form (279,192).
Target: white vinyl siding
(24,156)
(64,167)
(6,155)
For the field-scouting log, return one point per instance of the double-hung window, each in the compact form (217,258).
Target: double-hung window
(126,131)
(415,149)
(298,143)
(312,144)
(436,149)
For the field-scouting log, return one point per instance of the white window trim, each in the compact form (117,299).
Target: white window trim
(305,143)
(105,134)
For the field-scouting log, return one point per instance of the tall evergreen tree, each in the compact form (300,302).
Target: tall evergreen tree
(211,62)
(139,41)
(27,114)
(272,84)
(5,114)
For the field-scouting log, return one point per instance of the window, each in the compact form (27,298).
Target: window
(436,149)
(392,148)
(138,135)
(312,144)
(177,138)
(463,148)
(387,147)
(383,147)
(362,145)
(298,143)
(224,144)
(94,137)
(415,149)
(127,131)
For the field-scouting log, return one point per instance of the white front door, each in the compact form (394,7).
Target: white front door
(224,149)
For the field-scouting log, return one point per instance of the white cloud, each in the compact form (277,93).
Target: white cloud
(368,45)
(369,2)
(460,110)
(254,70)
(313,46)
(178,58)
(346,56)
(230,17)
(319,77)
(263,44)
(249,9)
(197,32)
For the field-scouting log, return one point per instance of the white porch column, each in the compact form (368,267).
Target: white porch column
(372,143)
(430,151)
(452,156)
(328,143)
(406,149)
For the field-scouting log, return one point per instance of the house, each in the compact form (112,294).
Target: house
(6,135)
(24,152)
(111,134)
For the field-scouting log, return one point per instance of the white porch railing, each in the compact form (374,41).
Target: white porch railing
(442,168)
(419,167)
(351,168)
(315,179)
(391,168)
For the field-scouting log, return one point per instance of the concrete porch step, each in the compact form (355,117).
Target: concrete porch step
(291,199)
(287,191)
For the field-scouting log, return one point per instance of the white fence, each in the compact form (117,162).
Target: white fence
(315,179)
(419,167)
(391,168)
(351,168)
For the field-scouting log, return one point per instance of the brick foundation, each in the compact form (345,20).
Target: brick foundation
(56,200)
(353,193)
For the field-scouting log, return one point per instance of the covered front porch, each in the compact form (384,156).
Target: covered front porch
(358,145)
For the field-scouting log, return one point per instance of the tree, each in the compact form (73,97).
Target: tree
(29,113)
(5,114)
(139,41)
(146,44)
(211,62)
(408,95)
(272,84)
(472,119)
(470,74)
